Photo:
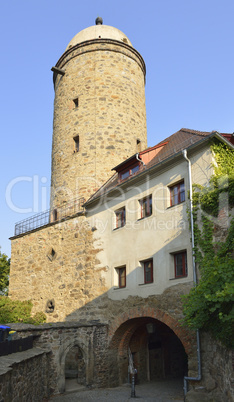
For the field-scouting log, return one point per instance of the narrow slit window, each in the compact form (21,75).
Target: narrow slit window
(138,145)
(76,143)
(51,254)
(76,102)
(54,215)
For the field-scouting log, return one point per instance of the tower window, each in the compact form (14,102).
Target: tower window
(76,102)
(138,145)
(76,143)
(51,254)
(54,215)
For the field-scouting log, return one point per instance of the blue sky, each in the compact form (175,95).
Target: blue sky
(187,46)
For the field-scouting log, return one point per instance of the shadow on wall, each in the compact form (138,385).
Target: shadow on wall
(156,350)
(160,347)
(167,352)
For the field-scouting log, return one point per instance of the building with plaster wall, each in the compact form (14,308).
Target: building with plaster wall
(115,248)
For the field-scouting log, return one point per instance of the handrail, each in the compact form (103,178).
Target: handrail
(71,208)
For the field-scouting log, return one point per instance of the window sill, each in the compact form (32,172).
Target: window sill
(178,277)
(120,227)
(144,217)
(119,288)
(176,205)
(143,284)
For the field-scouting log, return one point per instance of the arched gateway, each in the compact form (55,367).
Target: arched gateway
(72,364)
(160,347)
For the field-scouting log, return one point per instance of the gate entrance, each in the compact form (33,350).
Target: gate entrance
(157,352)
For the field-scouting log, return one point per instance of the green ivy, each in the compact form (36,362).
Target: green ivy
(209,305)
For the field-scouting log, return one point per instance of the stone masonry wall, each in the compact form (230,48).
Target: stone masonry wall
(46,369)
(75,283)
(60,338)
(218,365)
(107,78)
(58,264)
(25,376)
(74,280)
(217,373)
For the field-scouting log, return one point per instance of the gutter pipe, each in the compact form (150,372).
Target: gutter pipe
(137,157)
(198,378)
(184,152)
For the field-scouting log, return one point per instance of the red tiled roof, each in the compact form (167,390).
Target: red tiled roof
(182,139)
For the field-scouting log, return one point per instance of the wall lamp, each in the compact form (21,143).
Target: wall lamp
(151,327)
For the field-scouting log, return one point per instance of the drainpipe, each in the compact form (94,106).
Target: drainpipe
(198,378)
(191,211)
(137,157)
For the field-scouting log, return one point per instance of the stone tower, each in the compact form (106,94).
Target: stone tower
(99,111)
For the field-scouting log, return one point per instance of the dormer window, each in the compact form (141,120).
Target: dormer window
(128,172)
(137,162)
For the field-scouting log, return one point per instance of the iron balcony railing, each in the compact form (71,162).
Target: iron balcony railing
(51,215)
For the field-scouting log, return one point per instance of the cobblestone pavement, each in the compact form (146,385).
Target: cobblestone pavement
(158,391)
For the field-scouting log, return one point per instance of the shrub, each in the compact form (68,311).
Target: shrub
(18,311)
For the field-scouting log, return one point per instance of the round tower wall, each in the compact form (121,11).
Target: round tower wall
(99,116)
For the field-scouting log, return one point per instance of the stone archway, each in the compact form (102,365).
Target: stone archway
(162,354)
(73,364)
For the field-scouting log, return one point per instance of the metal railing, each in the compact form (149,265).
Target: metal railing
(51,215)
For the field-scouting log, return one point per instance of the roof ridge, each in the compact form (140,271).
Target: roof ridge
(196,132)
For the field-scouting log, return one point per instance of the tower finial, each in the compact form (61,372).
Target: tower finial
(99,21)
